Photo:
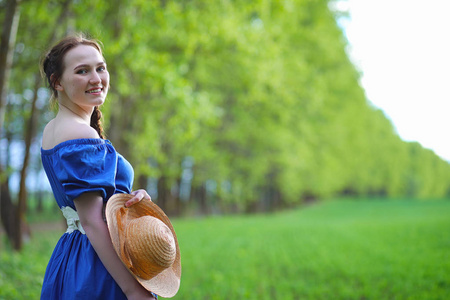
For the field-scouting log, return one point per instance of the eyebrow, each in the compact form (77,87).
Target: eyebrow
(86,65)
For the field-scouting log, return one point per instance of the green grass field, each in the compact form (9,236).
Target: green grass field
(332,250)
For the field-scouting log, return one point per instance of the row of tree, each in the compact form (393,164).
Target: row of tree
(228,105)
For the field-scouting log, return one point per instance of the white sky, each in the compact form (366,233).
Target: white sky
(402,48)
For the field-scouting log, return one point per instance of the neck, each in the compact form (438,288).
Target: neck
(77,113)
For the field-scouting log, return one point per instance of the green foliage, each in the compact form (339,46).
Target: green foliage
(341,249)
(21,274)
(260,94)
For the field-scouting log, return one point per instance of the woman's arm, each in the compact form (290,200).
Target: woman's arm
(89,207)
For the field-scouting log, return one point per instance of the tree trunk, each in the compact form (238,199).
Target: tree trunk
(163,193)
(29,135)
(40,201)
(8,212)
(178,205)
(118,120)
(166,200)
(118,125)
(8,40)
(142,182)
(199,195)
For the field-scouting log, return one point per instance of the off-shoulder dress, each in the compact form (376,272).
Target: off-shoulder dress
(73,168)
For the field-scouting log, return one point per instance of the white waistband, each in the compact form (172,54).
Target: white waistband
(73,221)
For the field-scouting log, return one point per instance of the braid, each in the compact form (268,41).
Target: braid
(96,121)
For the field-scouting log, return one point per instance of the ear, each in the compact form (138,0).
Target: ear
(56,84)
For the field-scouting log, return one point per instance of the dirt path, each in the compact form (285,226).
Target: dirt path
(47,226)
(44,226)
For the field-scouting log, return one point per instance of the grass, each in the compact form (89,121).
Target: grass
(332,250)
(21,274)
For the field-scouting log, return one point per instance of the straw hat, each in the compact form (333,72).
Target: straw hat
(145,241)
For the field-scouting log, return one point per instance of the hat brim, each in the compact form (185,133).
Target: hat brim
(166,283)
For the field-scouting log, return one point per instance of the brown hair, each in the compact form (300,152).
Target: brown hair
(52,67)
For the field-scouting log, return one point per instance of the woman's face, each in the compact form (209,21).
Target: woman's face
(85,79)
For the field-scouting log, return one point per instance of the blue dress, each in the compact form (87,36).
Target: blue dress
(74,167)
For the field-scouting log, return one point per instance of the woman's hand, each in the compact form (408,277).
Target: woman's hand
(89,207)
(138,196)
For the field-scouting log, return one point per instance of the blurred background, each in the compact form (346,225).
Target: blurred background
(222,107)
(401,48)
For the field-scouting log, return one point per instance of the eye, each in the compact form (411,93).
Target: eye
(101,69)
(82,71)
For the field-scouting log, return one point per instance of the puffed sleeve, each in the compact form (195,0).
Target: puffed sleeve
(124,176)
(87,168)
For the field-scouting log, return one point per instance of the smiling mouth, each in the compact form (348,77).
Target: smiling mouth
(93,91)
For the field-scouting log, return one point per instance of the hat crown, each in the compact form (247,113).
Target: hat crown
(132,249)
(152,244)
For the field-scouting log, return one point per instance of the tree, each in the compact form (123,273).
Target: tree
(30,133)
(10,25)
(259,97)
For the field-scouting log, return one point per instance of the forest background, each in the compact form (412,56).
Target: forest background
(221,107)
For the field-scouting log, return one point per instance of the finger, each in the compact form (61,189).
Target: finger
(138,196)
(144,194)
(133,200)
(147,197)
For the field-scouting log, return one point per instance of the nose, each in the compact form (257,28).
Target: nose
(95,78)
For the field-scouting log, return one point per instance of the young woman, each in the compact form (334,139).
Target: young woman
(84,171)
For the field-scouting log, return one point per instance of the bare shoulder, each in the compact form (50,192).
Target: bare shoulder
(58,132)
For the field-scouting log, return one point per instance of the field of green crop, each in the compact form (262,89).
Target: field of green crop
(342,249)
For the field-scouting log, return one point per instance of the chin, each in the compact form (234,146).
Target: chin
(99,100)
